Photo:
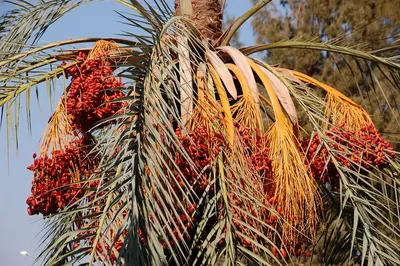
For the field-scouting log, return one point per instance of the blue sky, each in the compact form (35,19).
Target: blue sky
(18,231)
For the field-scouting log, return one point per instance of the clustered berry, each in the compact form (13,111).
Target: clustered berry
(259,162)
(91,92)
(317,159)
(257,154)
(56,178)
(59,179)
(203,147)
(367,150)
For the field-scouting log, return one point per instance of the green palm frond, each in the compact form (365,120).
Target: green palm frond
(26,23)
(234,27)
(322,47)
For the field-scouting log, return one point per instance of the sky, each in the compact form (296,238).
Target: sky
(18,230)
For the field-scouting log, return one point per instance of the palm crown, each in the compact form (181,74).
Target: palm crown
(196,155)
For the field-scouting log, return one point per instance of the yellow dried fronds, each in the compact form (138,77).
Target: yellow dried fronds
(339,109)
(228,119)
(101,47)
(58,132)
(294,185)
(246,111)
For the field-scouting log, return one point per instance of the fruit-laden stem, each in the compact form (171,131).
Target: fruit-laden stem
(207,14)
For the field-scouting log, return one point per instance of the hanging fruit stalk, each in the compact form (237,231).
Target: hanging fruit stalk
(339,110)
(295,188)
(228,119)
(246,111)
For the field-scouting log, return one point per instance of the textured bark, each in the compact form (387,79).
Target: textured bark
(207,14)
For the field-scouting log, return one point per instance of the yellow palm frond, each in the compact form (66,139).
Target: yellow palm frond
(228,119)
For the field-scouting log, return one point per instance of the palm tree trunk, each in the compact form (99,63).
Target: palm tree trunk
(207,14)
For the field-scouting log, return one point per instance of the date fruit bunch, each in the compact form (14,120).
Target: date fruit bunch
(56,179)
(260,182)
(365,150)
(91,92)
(59,179)
(203,147)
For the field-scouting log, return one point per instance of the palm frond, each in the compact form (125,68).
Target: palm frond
(29,22)
(322,47)
(233,28)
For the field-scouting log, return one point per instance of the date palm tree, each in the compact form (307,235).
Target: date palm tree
(197,156)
